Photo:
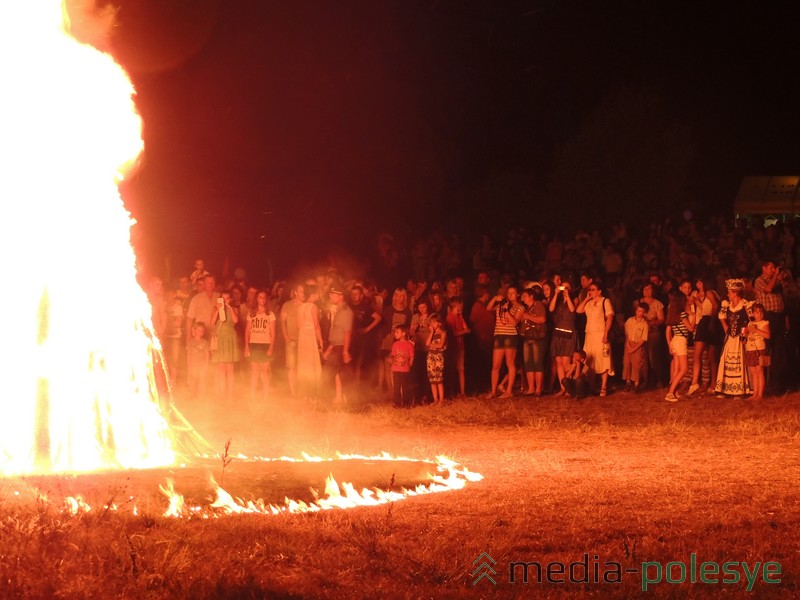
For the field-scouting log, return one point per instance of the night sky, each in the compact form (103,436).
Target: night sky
(277,129)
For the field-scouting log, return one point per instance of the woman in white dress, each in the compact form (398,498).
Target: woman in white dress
(599,315)
(309,344)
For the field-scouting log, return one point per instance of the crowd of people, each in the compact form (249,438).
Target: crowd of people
(685,308)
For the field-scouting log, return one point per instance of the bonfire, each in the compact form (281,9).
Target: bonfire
(84,384)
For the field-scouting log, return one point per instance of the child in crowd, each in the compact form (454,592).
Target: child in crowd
(198,353)
(636,329)
(402,359)
(436,344)
(418,333)
(172,340)
(457,330)
(756,356)
(576,381)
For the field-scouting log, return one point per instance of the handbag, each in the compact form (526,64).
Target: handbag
(530,330)
(616,334)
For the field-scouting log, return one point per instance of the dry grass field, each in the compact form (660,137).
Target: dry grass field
(614,482)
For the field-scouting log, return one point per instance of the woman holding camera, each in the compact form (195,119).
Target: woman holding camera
(534,339)
(564,340)
(508,312)
(226,354)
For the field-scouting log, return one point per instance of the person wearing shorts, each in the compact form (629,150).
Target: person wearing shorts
(259,336)
(679,326)
(508,312)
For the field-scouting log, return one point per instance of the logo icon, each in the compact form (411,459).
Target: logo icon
(483,568)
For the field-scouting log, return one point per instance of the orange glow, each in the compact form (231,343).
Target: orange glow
(79,389)
(447,475)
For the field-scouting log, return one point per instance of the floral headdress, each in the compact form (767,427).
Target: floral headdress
(734,284)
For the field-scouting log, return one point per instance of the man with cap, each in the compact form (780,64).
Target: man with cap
(336,371)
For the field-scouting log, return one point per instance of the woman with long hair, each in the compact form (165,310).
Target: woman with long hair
(679,326)
(226,353)
(550,292)
(708,334)
(309,343)
(508,312)
(534,339)
(259,344)
(564,339)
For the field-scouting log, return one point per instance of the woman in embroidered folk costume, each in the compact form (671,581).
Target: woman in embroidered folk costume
(732,378)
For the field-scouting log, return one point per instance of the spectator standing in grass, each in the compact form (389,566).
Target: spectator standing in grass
(259,344)
(655,316)
(366,321)
(564,340)
(680,325)
(599,314)
(732,376)
(636,329)
(309,344)
(172,341)
(508,312)
(436,344)
(533,326)
(457,330)
(397,313)
(708,334)
(481,321)
(402,357)
(338,358)
(289,326)
(757,355)
(420,328)
(226,353)
(769,293)
(197,357)
(202,305)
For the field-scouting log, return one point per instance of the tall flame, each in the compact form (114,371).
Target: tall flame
(78,391)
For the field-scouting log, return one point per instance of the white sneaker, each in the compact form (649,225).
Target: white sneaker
(693,388)
(671,398)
